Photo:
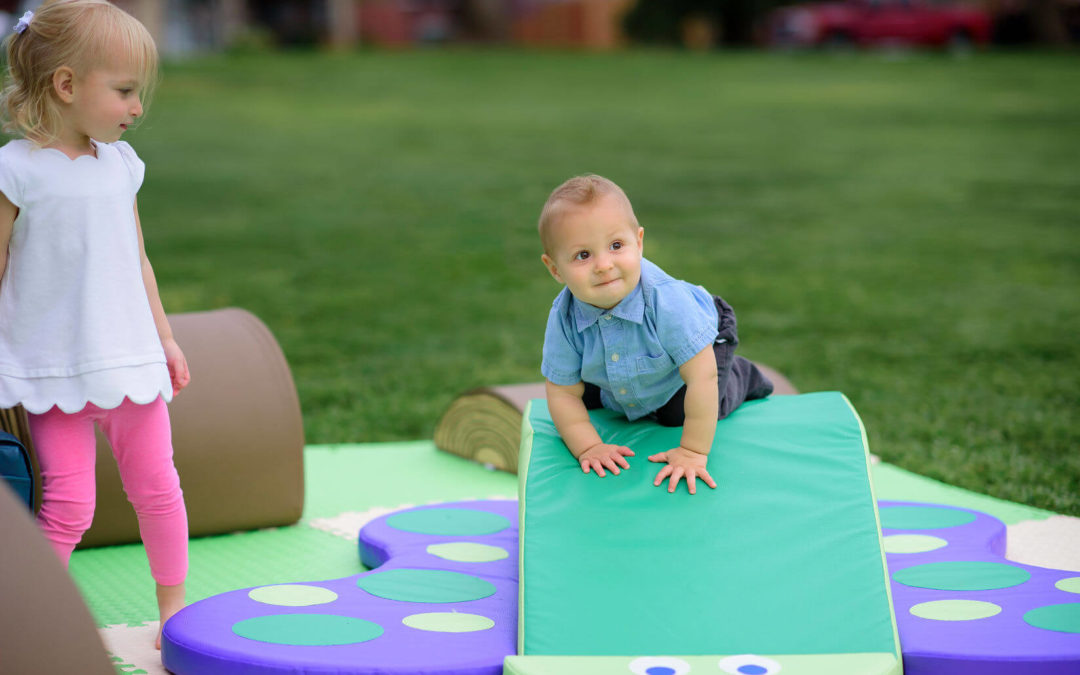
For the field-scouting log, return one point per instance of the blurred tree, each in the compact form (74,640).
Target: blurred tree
(1049,21)
(732,22)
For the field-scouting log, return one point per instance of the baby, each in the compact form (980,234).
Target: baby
(624,335)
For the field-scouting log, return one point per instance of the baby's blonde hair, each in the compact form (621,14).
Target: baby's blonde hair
(82,35)
(578,191)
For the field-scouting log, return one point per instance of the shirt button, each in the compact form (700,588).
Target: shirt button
(614,357)
(629,405)
(607,317)
(622,392)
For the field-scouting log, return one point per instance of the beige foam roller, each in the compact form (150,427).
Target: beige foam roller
(238,437)
(44,625)
(484,424)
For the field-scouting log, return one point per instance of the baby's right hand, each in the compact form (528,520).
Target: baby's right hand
(604,455)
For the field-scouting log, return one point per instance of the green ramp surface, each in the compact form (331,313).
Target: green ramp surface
(783,558)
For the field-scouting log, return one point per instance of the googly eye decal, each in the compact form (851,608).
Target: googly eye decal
(659,665)
(749,664)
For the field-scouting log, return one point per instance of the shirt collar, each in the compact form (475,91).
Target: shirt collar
(631,308)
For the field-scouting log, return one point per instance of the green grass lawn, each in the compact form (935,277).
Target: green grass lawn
(906,231)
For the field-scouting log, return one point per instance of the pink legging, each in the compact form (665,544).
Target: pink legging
(141,439)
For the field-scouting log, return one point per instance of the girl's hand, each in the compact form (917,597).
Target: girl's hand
(604,455)
(682,463)
(177,363)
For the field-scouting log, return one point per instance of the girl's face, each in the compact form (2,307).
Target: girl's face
(104,103)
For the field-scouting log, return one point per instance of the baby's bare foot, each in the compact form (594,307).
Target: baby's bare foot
(170,600)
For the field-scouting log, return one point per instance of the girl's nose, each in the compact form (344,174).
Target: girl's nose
(136,110)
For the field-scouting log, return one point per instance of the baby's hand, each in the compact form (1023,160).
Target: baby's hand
(682,463)
(603,455)
(177,364)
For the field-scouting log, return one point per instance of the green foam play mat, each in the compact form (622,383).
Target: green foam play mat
(348,485)
(784,557)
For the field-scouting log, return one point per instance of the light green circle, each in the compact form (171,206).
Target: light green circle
(448,622)
(912,543)
(465,551)
(448,522)
(292,595)
(307,630)
(410,585)
(955,610)
(923,517)
(1060,618)
(961,575)
(1070,585)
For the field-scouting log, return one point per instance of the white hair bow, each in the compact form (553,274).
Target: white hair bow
(23,22)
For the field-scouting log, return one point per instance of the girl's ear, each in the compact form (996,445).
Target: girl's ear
(63,81)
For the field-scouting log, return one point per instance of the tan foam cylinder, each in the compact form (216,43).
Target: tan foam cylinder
(238,436)
(44,625)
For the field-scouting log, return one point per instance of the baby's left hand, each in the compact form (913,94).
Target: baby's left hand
(177,364)
(682,463)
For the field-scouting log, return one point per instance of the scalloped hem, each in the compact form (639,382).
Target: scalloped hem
(105,389)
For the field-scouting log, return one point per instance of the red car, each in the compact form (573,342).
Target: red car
(878,22)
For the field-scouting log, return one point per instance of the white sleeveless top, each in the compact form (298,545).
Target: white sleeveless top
(75,322)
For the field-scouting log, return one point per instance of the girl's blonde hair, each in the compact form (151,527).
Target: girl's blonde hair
(82,35)
(578,191)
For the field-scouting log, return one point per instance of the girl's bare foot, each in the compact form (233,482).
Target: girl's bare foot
(170,600)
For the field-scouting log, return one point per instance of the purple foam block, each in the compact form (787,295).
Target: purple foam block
(1028,625)
(440,603)
(980,613)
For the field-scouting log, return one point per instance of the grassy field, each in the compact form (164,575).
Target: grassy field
(906,231)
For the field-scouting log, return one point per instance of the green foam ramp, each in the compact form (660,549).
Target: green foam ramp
(782,560)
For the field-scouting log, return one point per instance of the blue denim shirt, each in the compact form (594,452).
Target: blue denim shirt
(633,350)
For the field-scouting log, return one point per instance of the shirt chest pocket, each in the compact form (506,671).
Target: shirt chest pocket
(654,365)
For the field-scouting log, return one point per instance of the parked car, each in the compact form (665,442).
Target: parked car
(877,23)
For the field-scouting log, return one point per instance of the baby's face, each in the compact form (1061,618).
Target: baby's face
(596,252)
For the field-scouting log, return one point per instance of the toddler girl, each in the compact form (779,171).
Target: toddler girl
(83,336)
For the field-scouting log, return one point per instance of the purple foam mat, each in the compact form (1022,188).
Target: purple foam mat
(989,632)
(963,609)
(424,610)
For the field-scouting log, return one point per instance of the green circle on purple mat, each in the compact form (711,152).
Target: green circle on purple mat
(955,610)
(923,517)
(409,585)
(962,575)
(449,522)
(466,551)
(307,630)
(912,543)
(292,595)
(448,622)
(1070,585)
(1061,618)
